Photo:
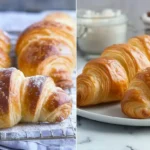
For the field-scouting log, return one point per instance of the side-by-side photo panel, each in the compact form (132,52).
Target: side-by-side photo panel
(113,74)
(38,75)
(74,74)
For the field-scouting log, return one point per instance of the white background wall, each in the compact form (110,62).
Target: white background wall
(133,8)
(37,5)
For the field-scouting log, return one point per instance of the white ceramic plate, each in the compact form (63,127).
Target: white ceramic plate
(110,113)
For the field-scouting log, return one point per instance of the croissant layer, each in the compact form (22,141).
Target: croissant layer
(106,78)
(48,48)
(31,99)
(5,61)
(135,102)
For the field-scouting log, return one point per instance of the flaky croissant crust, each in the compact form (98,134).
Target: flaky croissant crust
(135,102)
(45,28)
(4,42)
(31,99)
(5,61)
(106,78)
(48,48)
(63,18)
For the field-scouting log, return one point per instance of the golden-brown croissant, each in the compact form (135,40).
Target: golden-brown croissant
(30,99)
(4,50)
(136,100)
(106,78)
(48,48)
(62,18)
(4,42)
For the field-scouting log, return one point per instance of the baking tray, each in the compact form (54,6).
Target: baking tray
(40,130)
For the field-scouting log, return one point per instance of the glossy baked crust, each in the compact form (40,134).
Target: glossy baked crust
(42,101)
(31,99)
(10,108)
(5,61)
(106,78)
(48,48)
(4,42)
(143,43)
(135,103)
(62,18)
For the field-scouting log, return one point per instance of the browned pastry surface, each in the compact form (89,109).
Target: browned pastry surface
(31,99)
(135,103)
(5,61)
(48,48)
(10,108)
(4,42)
(106,78)
(61,18)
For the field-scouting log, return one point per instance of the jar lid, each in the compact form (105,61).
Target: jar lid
(146,18)
(103,18)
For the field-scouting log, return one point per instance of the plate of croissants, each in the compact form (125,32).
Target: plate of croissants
(115,88)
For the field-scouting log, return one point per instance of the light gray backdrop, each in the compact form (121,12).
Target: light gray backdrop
(37,5)
(133,8)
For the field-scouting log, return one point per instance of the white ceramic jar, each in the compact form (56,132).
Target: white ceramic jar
(97,30)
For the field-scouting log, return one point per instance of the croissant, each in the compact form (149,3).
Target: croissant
(62,18)
(48,48)
(4,50)
(106,78)
(135,102)
(30,99)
